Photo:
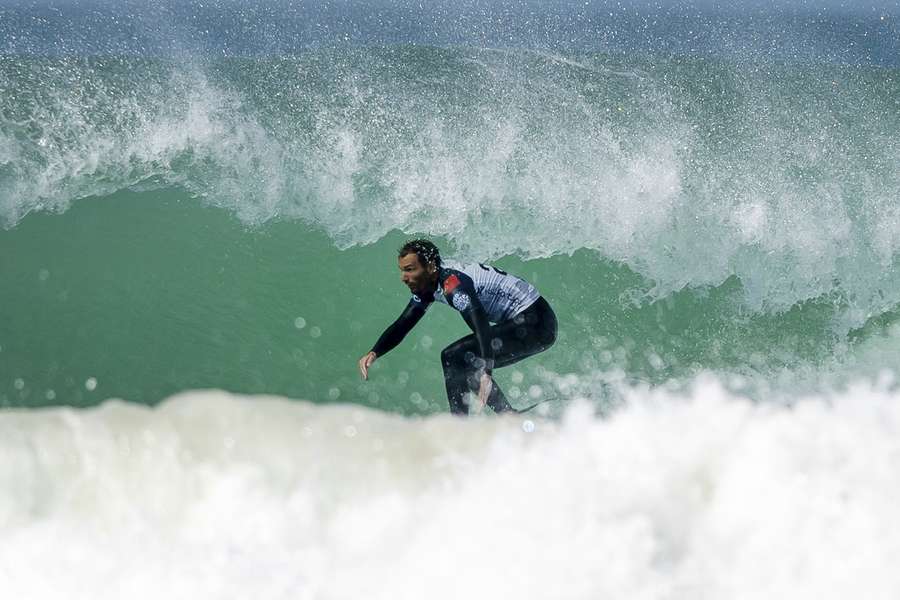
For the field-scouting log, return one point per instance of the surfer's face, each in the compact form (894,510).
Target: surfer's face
(415,276)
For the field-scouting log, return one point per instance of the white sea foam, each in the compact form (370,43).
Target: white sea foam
(216,496)
(789,184)
(75,145)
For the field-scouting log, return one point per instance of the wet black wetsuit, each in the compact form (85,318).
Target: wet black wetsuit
(524,324)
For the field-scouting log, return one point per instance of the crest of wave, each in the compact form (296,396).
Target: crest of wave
(778,180)
(81,128)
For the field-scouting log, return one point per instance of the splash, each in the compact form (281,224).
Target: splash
(689,171)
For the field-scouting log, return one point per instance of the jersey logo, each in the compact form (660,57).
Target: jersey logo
(461,301)
(450,284)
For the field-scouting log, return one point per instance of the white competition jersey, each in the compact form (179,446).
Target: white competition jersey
(502,295)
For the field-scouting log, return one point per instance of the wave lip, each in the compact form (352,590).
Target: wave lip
(706,495)
(688,171)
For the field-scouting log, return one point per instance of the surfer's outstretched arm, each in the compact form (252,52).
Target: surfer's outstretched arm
(393,335)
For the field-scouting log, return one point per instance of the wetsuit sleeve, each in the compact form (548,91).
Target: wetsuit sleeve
(465,300)
(394,334)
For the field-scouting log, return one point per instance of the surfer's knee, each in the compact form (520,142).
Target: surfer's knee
(458,355)
(548,333)
(550,336)
(451,356)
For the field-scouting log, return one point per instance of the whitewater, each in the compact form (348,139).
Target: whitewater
(219,496)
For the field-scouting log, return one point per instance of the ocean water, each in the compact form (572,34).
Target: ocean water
(200,206)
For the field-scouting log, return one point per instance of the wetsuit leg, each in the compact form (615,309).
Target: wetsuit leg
(528,333)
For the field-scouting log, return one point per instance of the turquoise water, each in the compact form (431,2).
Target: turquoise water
(150,294)
(200,208)
(233,223)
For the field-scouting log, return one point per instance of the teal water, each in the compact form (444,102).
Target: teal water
(151,293)
(233,223)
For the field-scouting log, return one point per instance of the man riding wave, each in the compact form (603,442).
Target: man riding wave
(509,320)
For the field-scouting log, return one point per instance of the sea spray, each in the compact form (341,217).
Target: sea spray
(688,171)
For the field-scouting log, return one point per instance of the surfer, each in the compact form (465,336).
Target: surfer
(523,322)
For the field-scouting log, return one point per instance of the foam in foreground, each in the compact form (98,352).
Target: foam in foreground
(211,495)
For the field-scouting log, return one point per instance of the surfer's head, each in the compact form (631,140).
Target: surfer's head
(419,262)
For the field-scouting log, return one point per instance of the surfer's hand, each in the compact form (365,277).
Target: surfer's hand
(485,389)
(365,362)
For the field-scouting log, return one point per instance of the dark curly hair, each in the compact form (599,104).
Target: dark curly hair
(424,249)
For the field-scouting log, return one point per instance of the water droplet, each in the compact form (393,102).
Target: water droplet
(19,384)
(655,361)
(334,393)
(514,392)
(91,384)
(50,395)
(315,332)
(517,377)
(528,426)
(43,274)
(535,391)
(350,431)
(427,342)
(299,322)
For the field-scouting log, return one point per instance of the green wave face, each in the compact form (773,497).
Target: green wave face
(233,223)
